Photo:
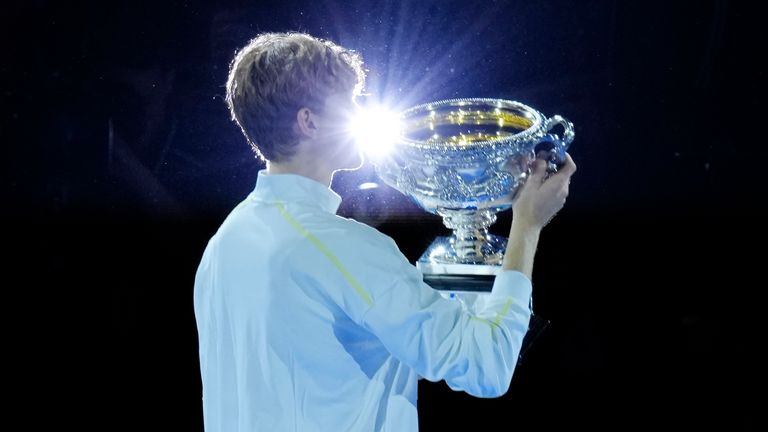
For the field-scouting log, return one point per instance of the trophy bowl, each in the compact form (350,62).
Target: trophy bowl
(465,160)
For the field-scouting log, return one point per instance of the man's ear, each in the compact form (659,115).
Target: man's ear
(306,122)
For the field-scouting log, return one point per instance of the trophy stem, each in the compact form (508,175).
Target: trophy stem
(471,243)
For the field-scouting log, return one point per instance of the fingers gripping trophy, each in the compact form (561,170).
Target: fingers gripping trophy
(465,160)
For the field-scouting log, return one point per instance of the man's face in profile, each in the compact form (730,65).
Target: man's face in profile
(336,135)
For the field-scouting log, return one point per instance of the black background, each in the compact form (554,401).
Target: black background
(120,161)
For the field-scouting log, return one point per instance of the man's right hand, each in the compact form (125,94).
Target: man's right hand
(541,197)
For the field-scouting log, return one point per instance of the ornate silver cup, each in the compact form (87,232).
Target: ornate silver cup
(465,160)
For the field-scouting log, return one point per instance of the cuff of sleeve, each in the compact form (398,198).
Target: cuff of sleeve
(512,283)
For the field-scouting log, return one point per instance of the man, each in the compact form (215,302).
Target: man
(308,321)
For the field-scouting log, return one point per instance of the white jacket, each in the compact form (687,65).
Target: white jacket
(308,321)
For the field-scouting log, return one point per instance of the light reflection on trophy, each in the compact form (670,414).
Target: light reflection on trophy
(465,160)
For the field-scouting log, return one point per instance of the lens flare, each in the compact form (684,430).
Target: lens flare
(376,130)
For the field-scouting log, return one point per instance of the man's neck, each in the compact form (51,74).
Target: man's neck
(302,168)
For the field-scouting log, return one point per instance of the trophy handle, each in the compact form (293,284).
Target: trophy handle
(555,156)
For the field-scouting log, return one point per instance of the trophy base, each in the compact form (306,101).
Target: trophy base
(460,283)
(451,276)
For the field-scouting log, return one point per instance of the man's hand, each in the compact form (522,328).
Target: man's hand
(542,196)
(537,202)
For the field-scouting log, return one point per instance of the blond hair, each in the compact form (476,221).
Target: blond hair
(275,75)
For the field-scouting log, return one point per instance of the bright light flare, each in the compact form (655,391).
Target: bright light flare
(376,130)
(368,185)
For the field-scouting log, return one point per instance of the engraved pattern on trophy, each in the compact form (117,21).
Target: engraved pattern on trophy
(465,160)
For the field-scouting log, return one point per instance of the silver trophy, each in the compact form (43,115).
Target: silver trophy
(465,160)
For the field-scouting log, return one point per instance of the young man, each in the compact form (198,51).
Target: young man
(308,321)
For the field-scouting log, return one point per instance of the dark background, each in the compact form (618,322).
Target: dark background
(120,161)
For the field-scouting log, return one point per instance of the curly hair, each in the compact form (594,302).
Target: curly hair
(275,75)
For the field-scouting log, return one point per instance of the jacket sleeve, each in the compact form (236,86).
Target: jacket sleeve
(473,349)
